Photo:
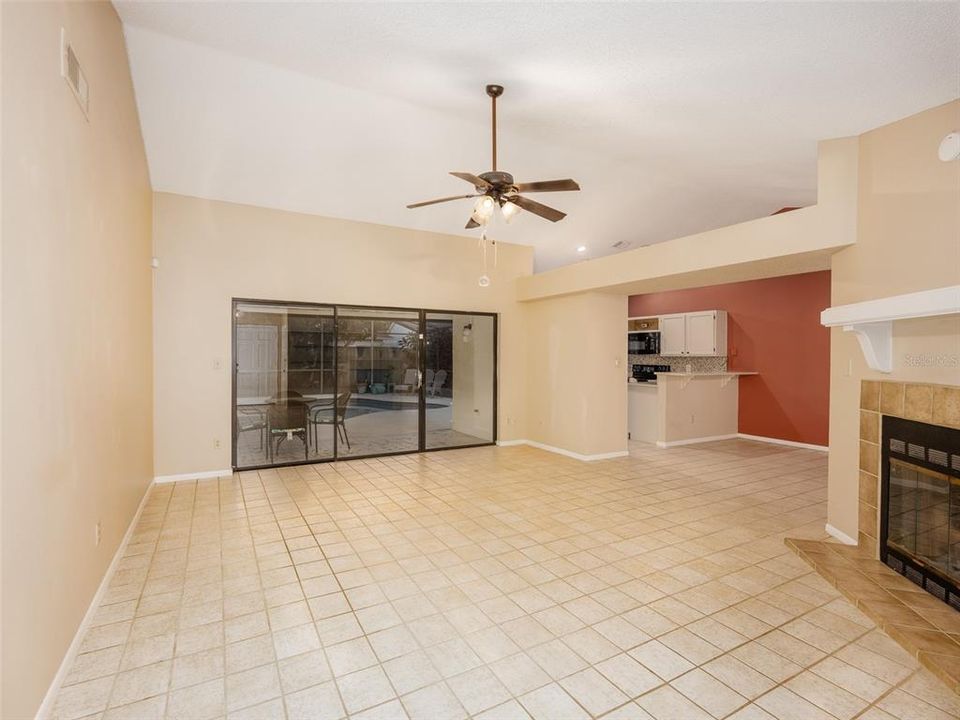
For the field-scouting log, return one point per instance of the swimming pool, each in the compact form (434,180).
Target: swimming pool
(367,405)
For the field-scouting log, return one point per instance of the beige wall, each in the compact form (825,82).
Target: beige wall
(77,415)
(576,373)
(213,251)
(908,239)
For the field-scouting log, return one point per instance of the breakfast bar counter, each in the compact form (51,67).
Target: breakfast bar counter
(682,408)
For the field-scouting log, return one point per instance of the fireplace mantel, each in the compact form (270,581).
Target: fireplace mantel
(872,320)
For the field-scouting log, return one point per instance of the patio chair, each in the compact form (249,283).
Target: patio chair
(410,381)
(438,380)
(331,413)
(252,418)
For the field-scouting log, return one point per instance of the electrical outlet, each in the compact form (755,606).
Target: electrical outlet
(693,420)
(216,443)
(97,533)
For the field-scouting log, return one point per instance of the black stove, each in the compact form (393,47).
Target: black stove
(645,373)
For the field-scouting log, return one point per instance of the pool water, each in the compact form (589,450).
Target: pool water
(365,406)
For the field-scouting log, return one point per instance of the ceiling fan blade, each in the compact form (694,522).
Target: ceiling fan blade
(471,224)
(440,200)
(477,182)
(547,186)
(537,208)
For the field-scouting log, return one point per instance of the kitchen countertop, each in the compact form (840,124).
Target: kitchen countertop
(653,383)
(705,374)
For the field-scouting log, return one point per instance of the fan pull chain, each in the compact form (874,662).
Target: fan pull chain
(484,280)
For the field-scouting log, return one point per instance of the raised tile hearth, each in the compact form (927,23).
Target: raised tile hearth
(924,626)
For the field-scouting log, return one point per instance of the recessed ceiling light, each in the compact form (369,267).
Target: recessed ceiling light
(582,249)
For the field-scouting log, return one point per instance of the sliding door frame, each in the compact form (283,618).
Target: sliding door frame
(421,367)
(496,371)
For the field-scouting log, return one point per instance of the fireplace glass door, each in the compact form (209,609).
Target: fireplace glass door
(920,505)
(923,516)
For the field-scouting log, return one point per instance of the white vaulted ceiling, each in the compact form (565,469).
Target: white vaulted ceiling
(674,118)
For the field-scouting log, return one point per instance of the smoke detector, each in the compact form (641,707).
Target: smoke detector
(950,147)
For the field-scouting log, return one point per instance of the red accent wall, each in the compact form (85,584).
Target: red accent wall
(773,328)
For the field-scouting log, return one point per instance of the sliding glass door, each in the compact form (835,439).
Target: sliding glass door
(284,384)
(459,379)
(324,382)
(379,361)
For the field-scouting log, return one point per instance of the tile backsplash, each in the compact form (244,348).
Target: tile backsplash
(679,364)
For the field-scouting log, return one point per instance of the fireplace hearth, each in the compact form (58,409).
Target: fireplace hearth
(920,505)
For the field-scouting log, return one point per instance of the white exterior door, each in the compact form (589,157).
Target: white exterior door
(701,333)
(257,361)
(673,334)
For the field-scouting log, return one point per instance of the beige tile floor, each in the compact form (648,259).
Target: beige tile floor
(492,583)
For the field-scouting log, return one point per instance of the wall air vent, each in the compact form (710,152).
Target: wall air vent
(72,72)
(621,244)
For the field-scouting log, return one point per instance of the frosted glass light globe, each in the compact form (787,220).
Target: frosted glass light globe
(483,209)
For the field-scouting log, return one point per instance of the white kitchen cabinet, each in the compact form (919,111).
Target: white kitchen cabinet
(673,334)
(702,333)
(707,333)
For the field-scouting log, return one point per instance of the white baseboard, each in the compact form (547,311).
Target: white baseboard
(695,441)
(160,479)
(840,535)
(563,451)
(788,443)
(50,699)
(743,436)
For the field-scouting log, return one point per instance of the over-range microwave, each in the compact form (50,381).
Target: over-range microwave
(643,343)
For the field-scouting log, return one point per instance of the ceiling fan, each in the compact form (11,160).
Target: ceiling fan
(497,189)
